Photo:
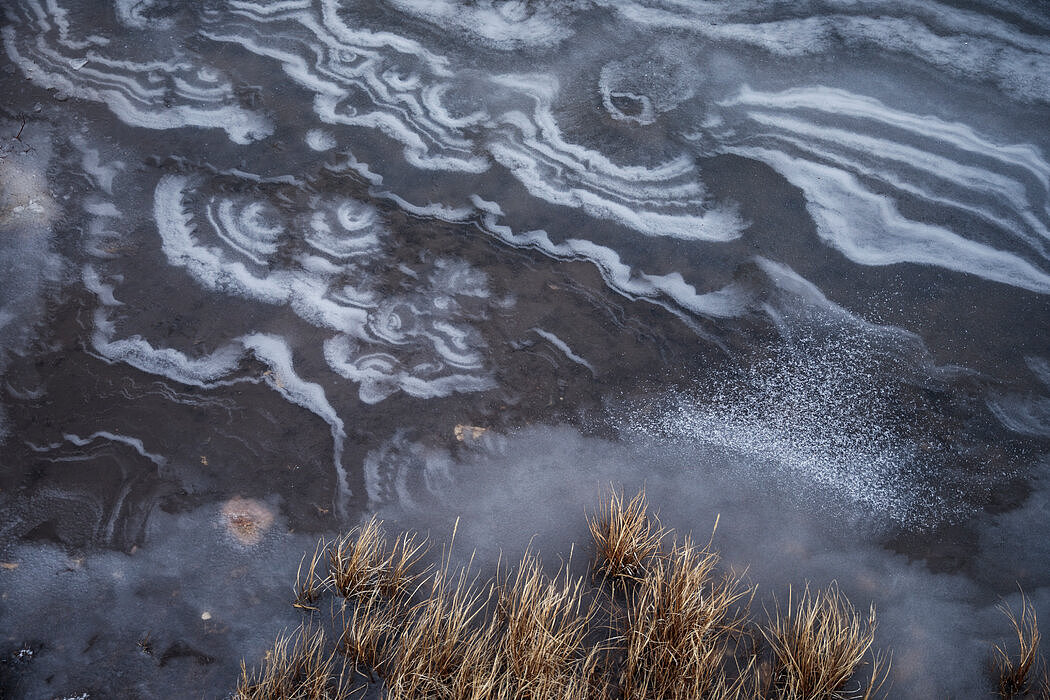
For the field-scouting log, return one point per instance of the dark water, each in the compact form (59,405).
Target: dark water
(785,263)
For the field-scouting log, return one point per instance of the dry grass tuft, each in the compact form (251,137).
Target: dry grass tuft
(398,577)
(545,623)
(819,644)
(361,567)
(356,560)
(439,644)
(296,668)
(369,635)
(309,584)
(1015,676)
(672,627)
(682,627)
(625,537)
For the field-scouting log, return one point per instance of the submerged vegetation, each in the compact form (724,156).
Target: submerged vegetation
(658,618)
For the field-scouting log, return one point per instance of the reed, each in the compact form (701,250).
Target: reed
(625,537)
(673,626)
(682,626)
(309,585)
(398,575)
(369,634)
(356,561)
(820,643)
(1015,673)
(296,668)
(545,624)
(438,638)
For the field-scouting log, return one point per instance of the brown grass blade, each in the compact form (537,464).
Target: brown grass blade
(625,537)
(1015,673)
(819,644)
(309,585)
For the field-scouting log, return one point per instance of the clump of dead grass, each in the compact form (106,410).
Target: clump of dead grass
(399,573)
(368,635)
(309,584)
(626,536)
(296,668)
(820,643)
(1015,674)
(439,642)
(362,565)
(545,624)
(673,626)
(355,560)
(682,625)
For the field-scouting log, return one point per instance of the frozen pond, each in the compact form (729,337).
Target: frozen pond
(268,268)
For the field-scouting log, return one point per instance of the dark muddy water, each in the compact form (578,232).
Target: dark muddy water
(788,264)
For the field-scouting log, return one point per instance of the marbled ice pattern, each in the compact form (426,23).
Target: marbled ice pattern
(270,254)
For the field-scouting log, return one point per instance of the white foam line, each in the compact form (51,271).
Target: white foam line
(43,448)
(102,209)
(1025,415)
(331,20)
(564,347)
(342,248)
(319,140)
(380,375)
(244,231)
(972,45)
(362,169)
(151,69)
(132,442)
(933,165)
(204,372)
(724,303)
(356,216)
(495,25)
(130,100)
(131,13)
(658,201)
(416,151)
(716,225)
(274,352)
(61,19)
(431,210)
(305,294)
(1025,216)
(453,345)
(400,113)
(94,284)
(1040,367)
(275,7)
(869,230)
(39,15)
(253,177)
(104,175)
(665,200)
(459,278)
(127,86)
(841,103)
(24,394)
